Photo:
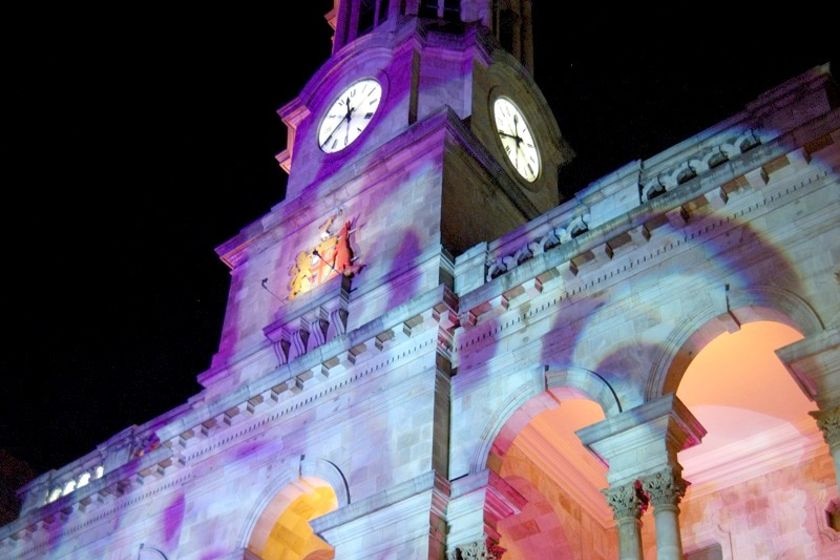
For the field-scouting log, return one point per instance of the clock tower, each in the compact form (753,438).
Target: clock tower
(422,136)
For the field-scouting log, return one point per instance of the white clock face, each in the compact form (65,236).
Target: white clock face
(516,138)
(349,115)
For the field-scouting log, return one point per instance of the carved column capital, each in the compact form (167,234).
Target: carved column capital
(665,488)
(627,501)
(478,550)
(829,423)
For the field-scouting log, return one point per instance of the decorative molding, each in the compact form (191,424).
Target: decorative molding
(558,259)
(476,304)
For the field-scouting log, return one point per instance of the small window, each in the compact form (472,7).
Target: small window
(54,495)
(98,472)
(69,487)
(83,480)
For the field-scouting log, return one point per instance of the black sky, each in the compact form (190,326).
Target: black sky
(132,148)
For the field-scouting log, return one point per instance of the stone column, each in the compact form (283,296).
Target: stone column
(666,488)
(641,444)
(628,504)
(829,423)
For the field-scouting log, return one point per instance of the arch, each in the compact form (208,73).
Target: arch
(531,398)
(281,524)
(583,382)
(539,458)
(524,393)
(329,472)
(758,303)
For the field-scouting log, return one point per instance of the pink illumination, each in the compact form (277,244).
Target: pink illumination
(745,398)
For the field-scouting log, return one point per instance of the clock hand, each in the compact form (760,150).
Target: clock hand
(349,118)
(516,128)
(516,155)
(344,119)
(328,138)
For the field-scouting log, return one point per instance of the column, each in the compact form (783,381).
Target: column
(641,444)
(666,488)
(628,504)
(829,423)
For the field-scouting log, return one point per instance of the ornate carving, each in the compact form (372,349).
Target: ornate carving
(627,501)
(664,488)
(487,549)
(829,423)
(332,256)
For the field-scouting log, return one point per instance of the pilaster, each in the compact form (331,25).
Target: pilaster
(477,504)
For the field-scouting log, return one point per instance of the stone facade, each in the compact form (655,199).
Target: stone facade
(390,413)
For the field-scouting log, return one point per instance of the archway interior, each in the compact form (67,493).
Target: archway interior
(290,536)
(755,414)
(742,394)
(560,482)
(762,453)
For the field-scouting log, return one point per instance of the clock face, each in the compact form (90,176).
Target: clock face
(349,115)
(516,138)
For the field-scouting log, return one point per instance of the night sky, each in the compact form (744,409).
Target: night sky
(132,149)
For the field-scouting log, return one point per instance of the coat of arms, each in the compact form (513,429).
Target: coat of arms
(333,255)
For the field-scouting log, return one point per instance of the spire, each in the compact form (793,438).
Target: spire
(509,20)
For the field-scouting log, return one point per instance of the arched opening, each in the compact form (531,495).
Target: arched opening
(558,479)
(762,453)
(745,398)
(283,532)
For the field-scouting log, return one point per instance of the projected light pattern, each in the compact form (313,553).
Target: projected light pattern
(436,393)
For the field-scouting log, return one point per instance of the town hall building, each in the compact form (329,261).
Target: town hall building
(426,354)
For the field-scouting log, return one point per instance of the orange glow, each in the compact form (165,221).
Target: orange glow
(291,536)
(742,394)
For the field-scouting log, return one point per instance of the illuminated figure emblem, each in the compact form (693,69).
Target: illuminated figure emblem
(332,256)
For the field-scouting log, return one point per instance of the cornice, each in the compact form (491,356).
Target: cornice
(630,244)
